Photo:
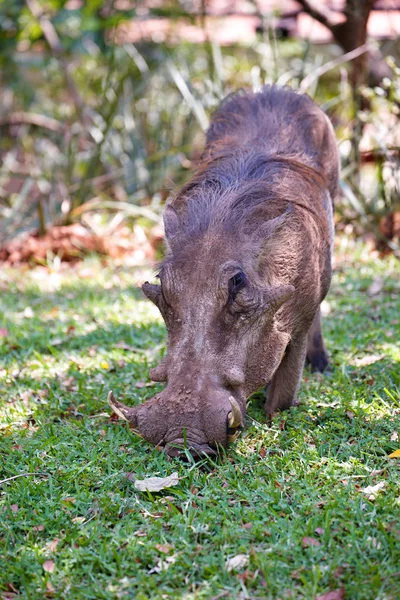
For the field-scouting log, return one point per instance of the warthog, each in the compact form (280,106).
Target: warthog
(248,264)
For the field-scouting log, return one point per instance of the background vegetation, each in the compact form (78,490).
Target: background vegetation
(91,127)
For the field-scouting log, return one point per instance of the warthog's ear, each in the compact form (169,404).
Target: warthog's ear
(268,238)
(275,297)
(153,292)
(171,224)
(267,229)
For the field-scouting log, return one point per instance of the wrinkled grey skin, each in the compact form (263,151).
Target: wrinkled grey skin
(248,263)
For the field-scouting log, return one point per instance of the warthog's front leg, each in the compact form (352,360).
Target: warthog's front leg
(282,390)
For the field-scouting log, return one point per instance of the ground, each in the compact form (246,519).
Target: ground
(292,498)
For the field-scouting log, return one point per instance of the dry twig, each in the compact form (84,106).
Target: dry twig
(332,64)
(25,118)
(23,475)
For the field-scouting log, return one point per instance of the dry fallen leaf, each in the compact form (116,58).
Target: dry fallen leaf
(78,519)
(140,534)
(309,541)
(333,595)
(366,360)
(50,588)
(373,490)
(156,484)
(395,454)
(246,576)
(164,548)
(163,564)
(52,546)
(240,561)
(341,569)
(114,417)
(38,528)
(375,543)
(394,437)
(376,472)
(68,383)
(296,574)
(49,566)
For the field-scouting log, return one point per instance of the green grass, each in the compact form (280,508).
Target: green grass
(88,330)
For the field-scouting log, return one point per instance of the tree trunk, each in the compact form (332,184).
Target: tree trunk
(350,34)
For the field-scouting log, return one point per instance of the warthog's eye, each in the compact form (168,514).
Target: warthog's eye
(236,283)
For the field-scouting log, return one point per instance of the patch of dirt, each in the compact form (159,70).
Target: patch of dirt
(72,242)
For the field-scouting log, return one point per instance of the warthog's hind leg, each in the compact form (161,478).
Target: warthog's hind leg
(317,356)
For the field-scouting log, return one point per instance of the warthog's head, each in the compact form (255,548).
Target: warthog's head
(223,339)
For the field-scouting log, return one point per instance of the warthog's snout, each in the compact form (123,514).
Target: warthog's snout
(200,428)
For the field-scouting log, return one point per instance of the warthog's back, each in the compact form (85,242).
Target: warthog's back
(263,150)
(277,122)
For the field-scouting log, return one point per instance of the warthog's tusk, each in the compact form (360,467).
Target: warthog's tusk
(235,416)
(124,412)
(113,403)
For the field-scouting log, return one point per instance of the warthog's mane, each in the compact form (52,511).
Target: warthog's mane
(256,162)
(228,191)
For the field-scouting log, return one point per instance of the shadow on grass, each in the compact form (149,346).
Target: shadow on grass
(134,339)
(45,334)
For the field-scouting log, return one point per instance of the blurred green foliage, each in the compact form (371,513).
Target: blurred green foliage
(128,119)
